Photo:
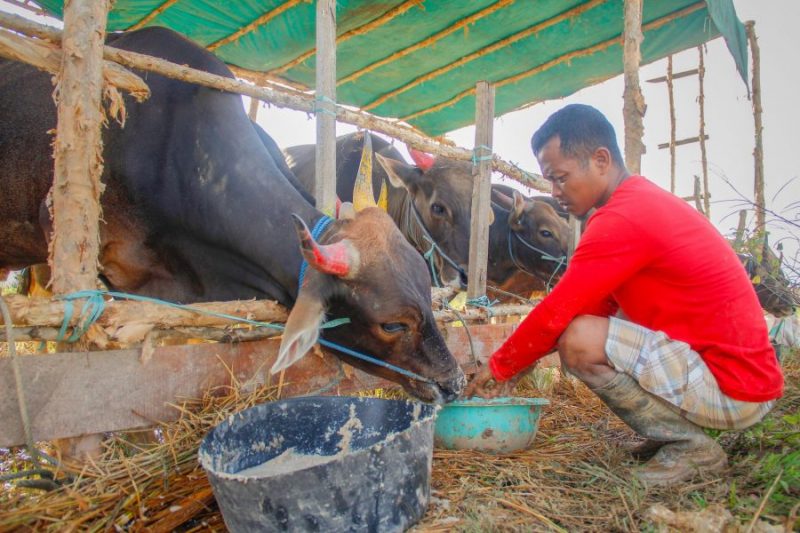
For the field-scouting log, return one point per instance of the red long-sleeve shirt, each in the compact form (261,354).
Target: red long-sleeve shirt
(669,270)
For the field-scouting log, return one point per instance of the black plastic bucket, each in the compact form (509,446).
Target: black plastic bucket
(327,464)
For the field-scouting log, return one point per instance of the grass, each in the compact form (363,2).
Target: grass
(575,478)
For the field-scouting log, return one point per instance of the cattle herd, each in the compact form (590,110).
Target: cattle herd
(200,205)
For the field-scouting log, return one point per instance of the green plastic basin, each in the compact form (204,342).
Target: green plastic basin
(497,425)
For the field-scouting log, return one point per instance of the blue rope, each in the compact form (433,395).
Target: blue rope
(476,158)
(431,263)
(325,100)
(319,228)
(483,301)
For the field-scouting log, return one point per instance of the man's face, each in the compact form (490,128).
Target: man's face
(577,186)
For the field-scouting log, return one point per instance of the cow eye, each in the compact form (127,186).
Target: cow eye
(438,210)
(545,233)
(394,327)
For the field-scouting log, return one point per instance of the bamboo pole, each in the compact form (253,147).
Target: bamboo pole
(671,92)
(324,108)
(481,191)
(287,99)
(701,102)
(633,107)
(758,151)
(260,21)
(78,149)
(48,57)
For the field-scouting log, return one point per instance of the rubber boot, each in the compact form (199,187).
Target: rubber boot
(686,451)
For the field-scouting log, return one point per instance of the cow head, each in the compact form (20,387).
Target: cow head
(538,235)
(367,272)
(440,190)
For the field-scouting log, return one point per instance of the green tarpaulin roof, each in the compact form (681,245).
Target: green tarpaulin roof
(419,60)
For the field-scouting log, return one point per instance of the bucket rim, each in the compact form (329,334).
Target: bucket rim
(498,402)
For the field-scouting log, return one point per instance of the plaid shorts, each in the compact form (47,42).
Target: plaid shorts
(671,370)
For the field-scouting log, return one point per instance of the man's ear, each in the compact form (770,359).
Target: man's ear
(602,158)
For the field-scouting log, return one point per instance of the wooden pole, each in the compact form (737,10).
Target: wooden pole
(740,229)
(78,149)
(574,236)
(481,190)
(325,108)
(78,165)
(758,152)
(253,111)
(634,107)
(701,102)
(671,92)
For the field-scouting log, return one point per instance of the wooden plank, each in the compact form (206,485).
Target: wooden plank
(78,148)
(71,394)
(325,166)
(688,140)
(574,235)
(633,106)
(675,76)
(481,190)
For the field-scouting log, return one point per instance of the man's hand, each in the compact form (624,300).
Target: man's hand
(485,385)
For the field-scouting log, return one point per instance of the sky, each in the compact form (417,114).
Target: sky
(728,111)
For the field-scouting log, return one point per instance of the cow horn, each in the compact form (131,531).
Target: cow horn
(363,195)
(421,159)
(383,197)
(338,259)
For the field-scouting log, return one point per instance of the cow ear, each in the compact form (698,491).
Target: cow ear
(302,330)
(400,174)
(519,206)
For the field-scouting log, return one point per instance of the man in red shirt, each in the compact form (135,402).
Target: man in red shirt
(693,350)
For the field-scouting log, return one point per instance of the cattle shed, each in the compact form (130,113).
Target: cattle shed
(411,69)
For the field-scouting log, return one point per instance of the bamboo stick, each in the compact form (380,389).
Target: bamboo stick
(153,14)
(533,30)
(701,100)
(260,21)
(671,93)
(758,151)
(566,58)
(369,26)
(634,107)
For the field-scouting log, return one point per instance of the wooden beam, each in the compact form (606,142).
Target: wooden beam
(78,149)
(282,98)
(574,235)
(672,126)
(481,191)
(681,142)
(758,151)
(48,57)
(633,106)
(701,103)
(72,394)
(253,112)
(325,108)
(675,76)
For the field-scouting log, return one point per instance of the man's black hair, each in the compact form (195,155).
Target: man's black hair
(582,130)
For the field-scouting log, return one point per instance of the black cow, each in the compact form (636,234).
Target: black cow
(196,209)
(441,190)
(433,197)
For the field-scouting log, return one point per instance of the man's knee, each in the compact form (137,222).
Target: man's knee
(583,342)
